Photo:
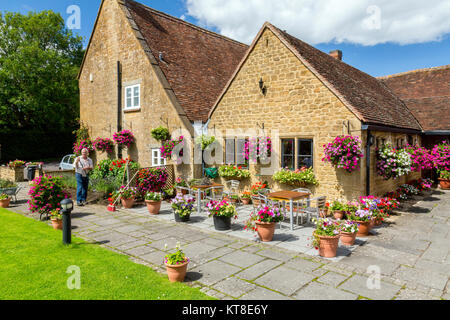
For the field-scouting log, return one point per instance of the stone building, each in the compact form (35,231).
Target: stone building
(143,69)
(283,84)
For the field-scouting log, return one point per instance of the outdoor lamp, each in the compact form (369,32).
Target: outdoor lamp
(67,207)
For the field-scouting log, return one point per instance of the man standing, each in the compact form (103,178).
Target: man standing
(83,165)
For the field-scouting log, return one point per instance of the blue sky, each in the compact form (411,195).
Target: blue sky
(377,60)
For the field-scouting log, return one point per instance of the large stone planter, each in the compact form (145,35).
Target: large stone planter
(444,183)
(12,174)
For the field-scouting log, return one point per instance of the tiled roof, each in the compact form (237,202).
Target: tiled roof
(370,100)
(196,62)
(426,92)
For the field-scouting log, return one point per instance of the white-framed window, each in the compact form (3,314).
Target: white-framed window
(133,97)
(157,160)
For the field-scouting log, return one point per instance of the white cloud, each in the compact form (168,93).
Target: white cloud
(366,22)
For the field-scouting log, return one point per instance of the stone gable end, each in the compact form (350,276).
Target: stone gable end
(114,40)
(296,103)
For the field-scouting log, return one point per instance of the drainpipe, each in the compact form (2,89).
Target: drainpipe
(119,105)
(368,145)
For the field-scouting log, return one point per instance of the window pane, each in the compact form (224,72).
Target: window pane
(240,144)
(128,92)
(229,151)
(305,147)
(136,102)
(305,161)
(136,91)
(287,146)
(128,103)
(287,162)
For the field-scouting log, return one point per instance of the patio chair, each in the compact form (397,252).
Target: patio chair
(213,193)
(232,187)
(314,211)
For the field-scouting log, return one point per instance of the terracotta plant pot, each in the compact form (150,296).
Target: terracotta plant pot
(153,206)
(245,201)
(265,230)
(363,228)
(377,222)
(339,215)
(444,183)
(182,191)
(176,273)
(348,239)
(57,224)
(328,246)
(5,203)
(127,203)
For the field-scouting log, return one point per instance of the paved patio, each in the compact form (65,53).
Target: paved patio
(411,252)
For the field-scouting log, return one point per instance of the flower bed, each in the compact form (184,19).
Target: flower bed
(16,164)
(344,153)
(230,171)
(299,177)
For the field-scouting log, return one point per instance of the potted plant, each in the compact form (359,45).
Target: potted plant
(124,138)
(176,265)
(153,201)
(127,196)
(168,193)
(300,177)
(56,218)
(5,199)
(351,207)
(234,198)
(233,172)
(363,218)
(180,182)
(444,179)
(255,189)
(222,212)
(344,153)
(326,236)
(246,197)
(182,206)
(264,221)
(338,210)
(348,232)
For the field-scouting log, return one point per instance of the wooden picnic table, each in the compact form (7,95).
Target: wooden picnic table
(290,196)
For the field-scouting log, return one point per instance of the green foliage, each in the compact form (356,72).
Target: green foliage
(39,63)
(153,196)
(161,134)
(4,196)
(178,257)
(82,133)
(444,174)
(337,206)
(7,184)
(205,140)
(230,171)
(297,177)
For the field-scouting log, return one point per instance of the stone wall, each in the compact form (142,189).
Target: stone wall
(15,175)
(114,40)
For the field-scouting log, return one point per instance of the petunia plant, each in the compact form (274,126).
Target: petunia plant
(103,145)
(124,138)
(344,152)
(392,163)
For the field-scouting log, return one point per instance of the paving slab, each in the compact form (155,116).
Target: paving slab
(234,287)
(319,291)
(284,280)
(362,262)
(214,271)
(359,285)
(302,264)
(332,278)
(429,278)
(258,269)
(241,259)
(260,293)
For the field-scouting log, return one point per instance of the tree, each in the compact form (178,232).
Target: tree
(39,62)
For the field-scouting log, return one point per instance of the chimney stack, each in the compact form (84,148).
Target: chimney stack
(337,54)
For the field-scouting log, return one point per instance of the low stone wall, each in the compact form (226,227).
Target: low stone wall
(60,173)
(15,174)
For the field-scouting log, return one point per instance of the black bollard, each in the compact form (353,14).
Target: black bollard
(67,206)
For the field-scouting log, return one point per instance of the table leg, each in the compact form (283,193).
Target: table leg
(291,213)
(199,207)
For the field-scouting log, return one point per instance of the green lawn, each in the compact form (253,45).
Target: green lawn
(33,265)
